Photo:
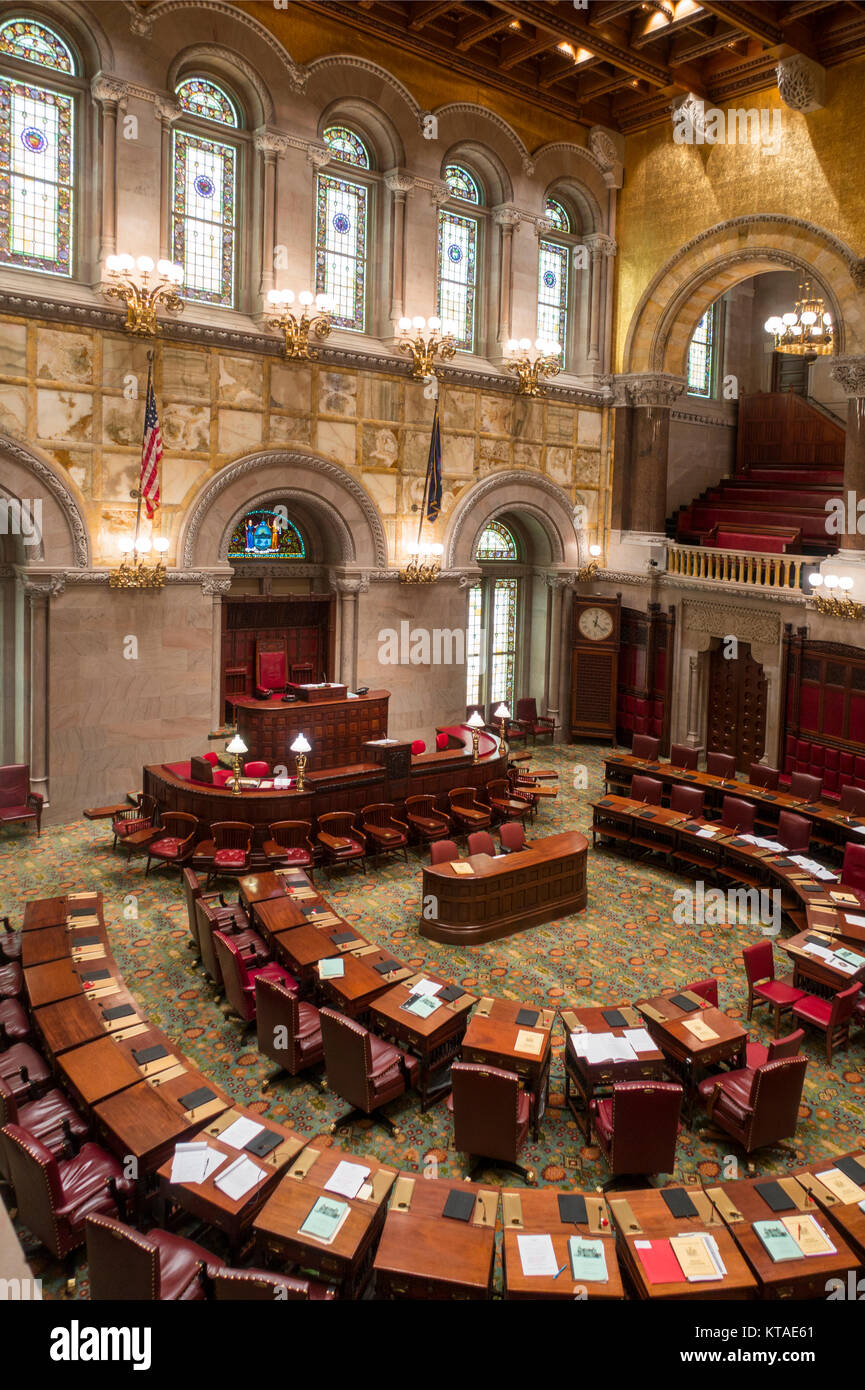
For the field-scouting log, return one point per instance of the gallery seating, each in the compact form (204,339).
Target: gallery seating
(363,1069)
(804,785)
(761,776)
(512,837)
(794,832)
(647,789)
(443,852)
(721,765)
(637,1127)
(340,839)
(289,1029)
(831,1016)
(763,987)
(135,818)
(290,846)
(424,820)
(126,1265)
(384,833)
(177,842)
(685,757)
(505,806)
(239,978)
(481,842)
(645,746)
(17,801)
(853,870)
(534,724)
(491,1117)
(468,813)
(757,1053)
(738,815)
(758,1107)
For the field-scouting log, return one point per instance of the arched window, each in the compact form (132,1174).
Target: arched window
(37,152)
(342,212)
(701,356)
(457,260)
(491,645)
(204,193)
(267,533)
(554,279)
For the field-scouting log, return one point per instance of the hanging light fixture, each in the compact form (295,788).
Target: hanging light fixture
(424,566)
(590,570)
(806,330)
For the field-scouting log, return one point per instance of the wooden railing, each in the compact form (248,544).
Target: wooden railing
(738,567)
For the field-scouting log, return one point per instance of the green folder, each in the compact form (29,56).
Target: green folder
(323,1221)
(778,1241)
(331,968)
(424,1006)
(588,1260)
(850,957)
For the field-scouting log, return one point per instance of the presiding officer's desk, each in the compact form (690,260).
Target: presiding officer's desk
(337,727)
(505,893)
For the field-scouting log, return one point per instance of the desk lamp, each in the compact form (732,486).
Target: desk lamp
(236,748)
(301,747)
(502,713)
(475,722)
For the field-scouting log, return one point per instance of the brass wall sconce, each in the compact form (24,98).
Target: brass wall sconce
(424,351)
(140,296)
(314,316)
(529,369)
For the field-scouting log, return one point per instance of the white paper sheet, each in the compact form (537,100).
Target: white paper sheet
(640,1040)
(194,1162)
(347,1179)
(426,986)
(537,1256)
(238,1134)
(240,1178)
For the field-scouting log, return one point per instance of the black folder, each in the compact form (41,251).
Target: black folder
(149,1054)
(95,974)
(647,815)
(340,937)
(687,1004)
(613,1018)
(459,1205)
(85,941)
(774,1196)
(678,1201)
(196,1098)
(384,967)
(572,1208)
(527,1018)
(449,993)
(853,1169)
(119,1011)
(263,1143)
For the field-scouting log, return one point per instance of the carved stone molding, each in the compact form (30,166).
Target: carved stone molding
(857,274)
(801,83)
(268,142)
(221,52)
(351,585)
(849,372)
(505,215)
(600,243)
(333,60)
(439,193)
(53,484)
(297,76)
(461,109)
(568,147)
(109,90)
(398,181)
(297,494)
(167,110)
(215,583)
(608,146)
(40,586)
(647,389)
(726,619)
(319,155)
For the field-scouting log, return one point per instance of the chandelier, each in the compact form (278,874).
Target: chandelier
(423,350)
(546,362)
(806,330)
(425,562)
(138,294)
(296,327)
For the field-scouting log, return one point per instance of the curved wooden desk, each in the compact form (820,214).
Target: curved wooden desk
(336,728)
(506,893)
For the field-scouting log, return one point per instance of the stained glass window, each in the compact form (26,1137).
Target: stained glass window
(266,533)
(496,543)
(555,213)
(474,645)
(340,249)
(456,276)
(461,184)
(201,97)
(504,641)
(701,354)
(347,146)
(553,294)
(35,43)
(203,211)
(36,160)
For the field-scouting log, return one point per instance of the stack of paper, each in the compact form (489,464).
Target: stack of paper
(241,1177)
(537,1256)
(844,1188)
(425,986)
(603,1047)
(194,1162)
(812,867)
(238,1134)
(640,1040)
(347,1179)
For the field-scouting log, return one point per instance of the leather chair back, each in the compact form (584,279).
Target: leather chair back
(207,924)
(34,1176)
(761,776)
(442,741)
(786,1047)
(853,800)
(681,755)
(721,765)
(738,815)
(645,1127)
(234,975)
(844,1004)
(645,746)
(14,784)
(853,866)
(256,768)
(291,834)
(443,852)
(271,664)
(527,709)
(418,746)
(485,1109)
(646,789)
(794,832)
(262,1286)
(347,1058)
(776,1094)
(707,989)
(481,842)
(191,893)
(122,1262)
(759,962)
(689,800)
(276,1009)
(232,834)
(804,784)
(512,836)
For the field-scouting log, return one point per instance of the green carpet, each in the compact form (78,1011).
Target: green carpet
(625,946)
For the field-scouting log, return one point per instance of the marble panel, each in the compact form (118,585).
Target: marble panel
(124,364)
(291,386)
(587,467)
(380,398)
(419,405)
(457,409)
(559,423)
(496,414)
(239,431)
(289,429)
(13,411)
(186,428)
(382,489)
(78,463)
(122,420)
(560,465)
(458,454)
(185,374)
(528,418)
(380,446)
(494,453)
(241,381)
(64,415)
(589,427)
(337,393)
(120,474)
(179,477)
(64,356)
(337,440)
(13,350)
(527,455)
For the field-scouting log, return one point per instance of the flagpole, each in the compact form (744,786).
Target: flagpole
(136,491)
(428,480)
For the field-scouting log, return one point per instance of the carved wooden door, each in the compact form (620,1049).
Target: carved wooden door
(737,705)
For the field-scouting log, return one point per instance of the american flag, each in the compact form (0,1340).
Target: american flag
(151,452)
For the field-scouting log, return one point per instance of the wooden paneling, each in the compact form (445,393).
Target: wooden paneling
(781,427)
(737,706)
(304,623)
(337,729)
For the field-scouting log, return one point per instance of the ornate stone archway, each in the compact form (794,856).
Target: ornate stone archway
(518,492)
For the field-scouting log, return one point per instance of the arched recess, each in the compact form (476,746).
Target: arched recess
(576,172)
(64,538)
(476,125)
(328,537)
(721,257)
(217,61)
(544,506)
(377,129)
(362,80)
(486,164)
(205,530)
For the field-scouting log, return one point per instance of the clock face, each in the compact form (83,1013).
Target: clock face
(596,624)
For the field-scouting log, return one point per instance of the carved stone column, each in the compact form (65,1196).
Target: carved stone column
(168,112)
(601,248)
(38,590)
(554,647)
(642,435)
(348,590)
(111,94)
(849,372)
(506,218)
(270,147)
(693,735)
(216,585)
(400,184)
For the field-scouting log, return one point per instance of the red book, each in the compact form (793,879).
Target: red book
(659,1261)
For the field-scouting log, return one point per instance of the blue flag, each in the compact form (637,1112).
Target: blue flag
(433,487)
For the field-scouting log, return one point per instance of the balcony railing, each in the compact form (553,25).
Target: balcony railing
(702,564)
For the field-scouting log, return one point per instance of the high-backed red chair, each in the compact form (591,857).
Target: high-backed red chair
(289,1029)
(229,850)
(491,1117)
(442,741)
(681,755)
(363,1069)
(512,837)
(503,805)
(50,1118)
(637,1127)
(853,870)
(24,1070)
(721,765)
(212,918)
(159,1267)
(647,789)
(265,1286)
(481,842)
(794,832)
(424,819)
(853,800)
(738,815)
(757,1053)
(134,818)
(832,1016)
(384,833)
(761,776)
(688,800)
(17,801)
(256,768)
(192,891)
(176,842)
(764,987)
(239,980)
(443,852)
(534,724)
(758,1107)
(271,664)
(418,746)
(707,989)
(11,980)
(645,746)
(341,841)
(14,1023)
(805,785)
(11,941)
(289,845)
(468,813)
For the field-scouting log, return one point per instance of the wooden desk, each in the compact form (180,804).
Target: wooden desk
(847,1218)
(354,992)
(97,1070)
(592,1078)
(336,727)
(536,1212)
(256,888)
(301,948)
(434,1040)
(657,1222)
(51,943)
(810,971)
(46,984)
(491,1039)
(508,893)
(140,1123)
(692,1057)
(44,912)
(425,1254)
(68,1024)
(348,1260)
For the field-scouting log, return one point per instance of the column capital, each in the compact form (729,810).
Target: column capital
(40,585)
(801,83)
(506,216)
(647,388)
(109,91)
(350,588)
(849,372)
(439,193)
(167,110)
(601,245)
(268,142)
(398,181)
(319,155)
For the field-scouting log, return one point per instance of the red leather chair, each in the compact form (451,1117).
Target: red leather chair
(11,980)
(50,1119)
(645,746)
(756,1053)
(158,1267)
(535,724)
(442,741)
(468,813)
(688,800)
(17,801)
(707,989)
(418,747)
(290,846)
(222,776)
(681,755)
(738,815)
(289,1030)
(264,1286)
(239,980)
(647,789)
(853,870)
(763,986)
(491,1117)
(14,1023)
(176,842)
(794,832)
(758,1107)
(805,785)
(443,852)
(256,768)
(55,1196)
(363,1069)
(384,833)
(192,891)
(230,849)
(832,1016)
(212,919)
(721,765)
(425,820)
(137,817)
(637,1127)
(23,1070)
(853,800)
(503,805)
(341,841)
(271,665)
(512,837)
(211,757)
(761,776)
(11,942)
(481,842)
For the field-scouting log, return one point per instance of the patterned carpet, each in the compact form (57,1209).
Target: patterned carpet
(625,946)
